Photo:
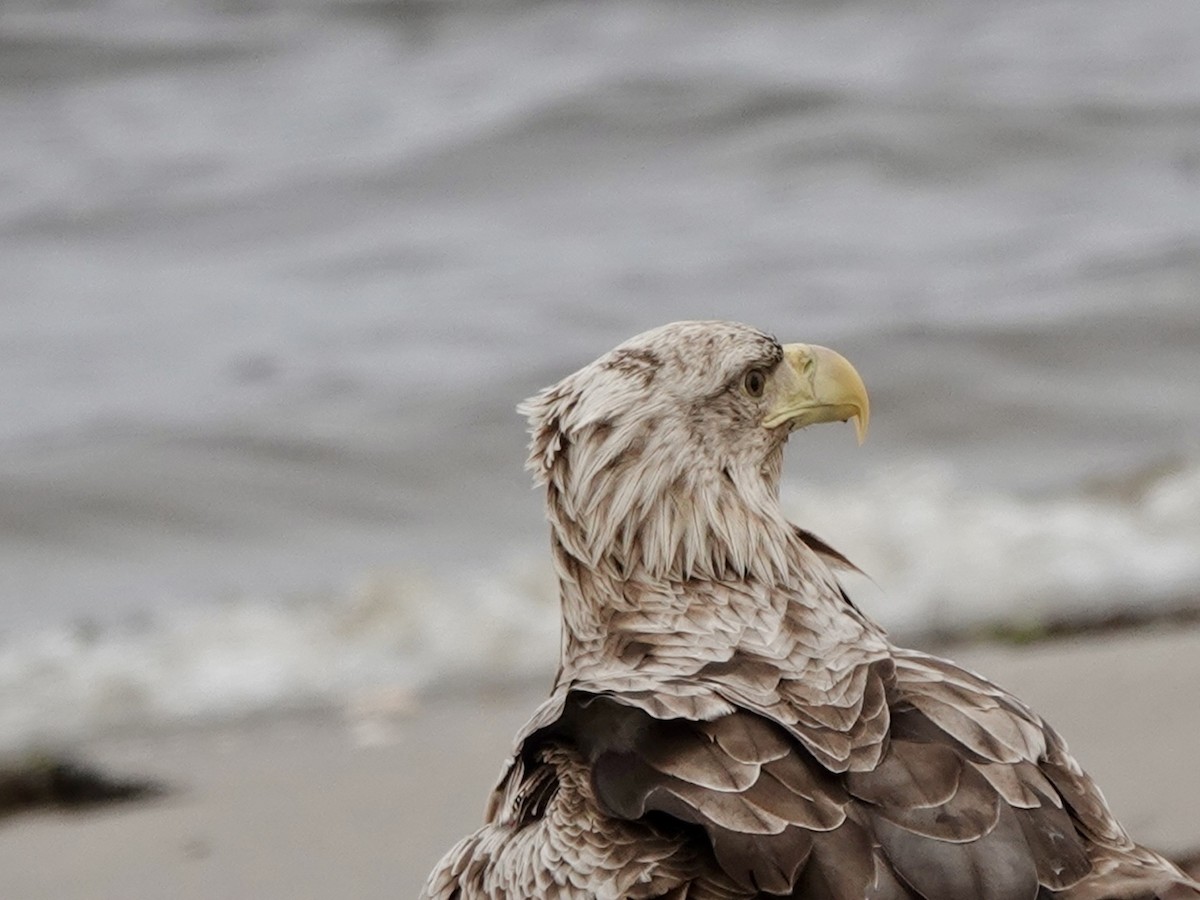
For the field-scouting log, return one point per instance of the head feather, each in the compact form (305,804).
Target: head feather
(653,462)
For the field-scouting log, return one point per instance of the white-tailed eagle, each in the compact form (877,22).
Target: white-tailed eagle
(724,722)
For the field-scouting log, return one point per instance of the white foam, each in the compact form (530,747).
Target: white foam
(945,555)
(396,632)
(942,555)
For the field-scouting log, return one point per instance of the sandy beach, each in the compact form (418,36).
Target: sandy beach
(316,806)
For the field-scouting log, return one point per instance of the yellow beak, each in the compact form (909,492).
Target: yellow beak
(815,384)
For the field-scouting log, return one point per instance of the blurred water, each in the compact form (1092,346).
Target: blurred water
(276,274)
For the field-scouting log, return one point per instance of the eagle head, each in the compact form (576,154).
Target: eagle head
(663,456)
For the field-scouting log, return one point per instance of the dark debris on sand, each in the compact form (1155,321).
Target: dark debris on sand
(46,781)
(1035,631)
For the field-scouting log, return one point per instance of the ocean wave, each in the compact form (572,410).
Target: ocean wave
(944,556)
(391,635)
(941,555)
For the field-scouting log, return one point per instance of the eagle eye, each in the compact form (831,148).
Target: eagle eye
(754,382)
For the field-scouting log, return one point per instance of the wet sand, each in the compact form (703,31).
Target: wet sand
(331,806)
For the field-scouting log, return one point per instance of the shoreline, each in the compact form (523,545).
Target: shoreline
(324,804)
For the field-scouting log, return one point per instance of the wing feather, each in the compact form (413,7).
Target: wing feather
(995,866)
(779,821)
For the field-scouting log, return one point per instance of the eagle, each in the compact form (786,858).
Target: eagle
(725,723)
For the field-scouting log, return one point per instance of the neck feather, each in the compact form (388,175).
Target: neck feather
(620,506)
(696,563)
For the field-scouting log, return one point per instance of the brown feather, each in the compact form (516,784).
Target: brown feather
(842,866)
(1056,847)
(996,866)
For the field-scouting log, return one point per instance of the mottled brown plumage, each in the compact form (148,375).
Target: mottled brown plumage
(725,723)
